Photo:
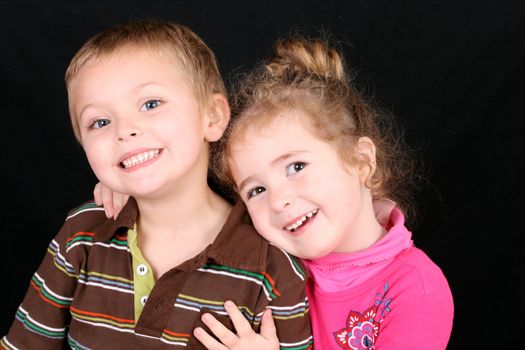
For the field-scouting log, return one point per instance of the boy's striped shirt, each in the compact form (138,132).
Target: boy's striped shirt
(83,293)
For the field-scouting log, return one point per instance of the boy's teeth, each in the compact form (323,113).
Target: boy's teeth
(302,220)
(139,158)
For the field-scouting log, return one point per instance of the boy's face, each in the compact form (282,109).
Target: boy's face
(300,195)
(140,123)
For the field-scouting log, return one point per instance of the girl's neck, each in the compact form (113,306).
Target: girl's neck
(365,233)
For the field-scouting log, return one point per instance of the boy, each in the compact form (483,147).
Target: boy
(146,99)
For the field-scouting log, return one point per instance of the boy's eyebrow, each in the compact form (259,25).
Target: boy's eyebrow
(146,84)
(277,160)
(135,88)
(81,112)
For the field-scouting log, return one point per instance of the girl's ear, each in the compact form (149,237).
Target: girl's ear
(218,116)
(365,152)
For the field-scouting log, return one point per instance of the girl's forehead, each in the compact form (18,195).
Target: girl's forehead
(268,125)
(285,131)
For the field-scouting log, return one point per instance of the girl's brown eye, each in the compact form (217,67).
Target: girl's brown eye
(255,191)
(295,167)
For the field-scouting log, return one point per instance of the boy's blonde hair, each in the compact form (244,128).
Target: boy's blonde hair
(195,59)
(311,76)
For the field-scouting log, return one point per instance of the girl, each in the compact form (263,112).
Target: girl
(323,179)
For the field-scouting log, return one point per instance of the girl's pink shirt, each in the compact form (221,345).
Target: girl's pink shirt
(390,296)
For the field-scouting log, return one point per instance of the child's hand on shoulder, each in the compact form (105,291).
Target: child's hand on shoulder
(112,201)
(245,338)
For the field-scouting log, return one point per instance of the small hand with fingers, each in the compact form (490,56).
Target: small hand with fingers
(112,201)
(245,338)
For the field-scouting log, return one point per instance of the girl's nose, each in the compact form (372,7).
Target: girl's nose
(281,200)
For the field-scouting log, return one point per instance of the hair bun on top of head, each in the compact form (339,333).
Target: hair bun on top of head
(311,76)
(296,58)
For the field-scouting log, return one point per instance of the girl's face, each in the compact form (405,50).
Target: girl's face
(301,196)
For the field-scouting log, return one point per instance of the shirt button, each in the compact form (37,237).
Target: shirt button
(142,269)
(143,300)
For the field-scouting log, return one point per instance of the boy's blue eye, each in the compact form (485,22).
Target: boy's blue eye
(255,191)
(295,168)
(150,104)
(100,123)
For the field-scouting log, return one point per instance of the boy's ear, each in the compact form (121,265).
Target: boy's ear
(365,152)
(218,113)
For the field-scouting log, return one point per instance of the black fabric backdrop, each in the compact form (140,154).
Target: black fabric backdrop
(451,71)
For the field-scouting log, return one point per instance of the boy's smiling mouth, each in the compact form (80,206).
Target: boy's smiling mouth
(139,158)
(294,225)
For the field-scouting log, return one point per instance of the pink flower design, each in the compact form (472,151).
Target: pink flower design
(361,331)
(362,337)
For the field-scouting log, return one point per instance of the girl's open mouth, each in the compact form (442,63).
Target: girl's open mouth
(301,221)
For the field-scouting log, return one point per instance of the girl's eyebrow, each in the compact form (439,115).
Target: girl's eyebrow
(288,155)
(277,160)
(244,183)
(284,157)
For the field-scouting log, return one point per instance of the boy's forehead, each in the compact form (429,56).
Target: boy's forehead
(129,52)
(128,68)
(136,57)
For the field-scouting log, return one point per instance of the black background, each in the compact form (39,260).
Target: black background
(451,71)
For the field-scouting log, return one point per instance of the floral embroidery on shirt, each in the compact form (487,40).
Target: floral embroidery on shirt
(362,329)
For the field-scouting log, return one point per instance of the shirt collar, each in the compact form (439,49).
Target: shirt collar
(124,221)
(237,245)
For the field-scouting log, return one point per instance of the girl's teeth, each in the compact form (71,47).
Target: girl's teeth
(301,220)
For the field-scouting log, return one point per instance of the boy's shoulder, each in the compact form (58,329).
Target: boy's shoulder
(90,218)
(88,212)
(286,268)
(239,246)
(87,217)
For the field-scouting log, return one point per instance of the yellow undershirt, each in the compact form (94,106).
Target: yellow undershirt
(143,280)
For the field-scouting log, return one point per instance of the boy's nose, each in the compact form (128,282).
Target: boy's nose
(127,131)
(124,137)
(131,134)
